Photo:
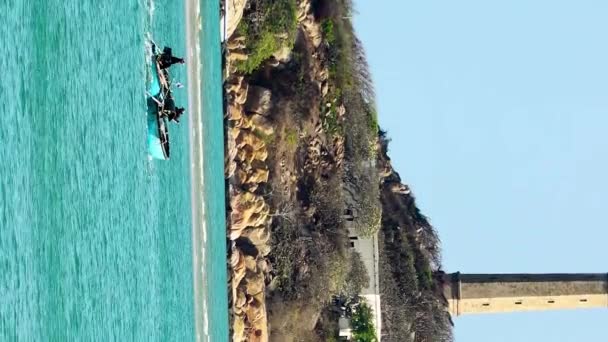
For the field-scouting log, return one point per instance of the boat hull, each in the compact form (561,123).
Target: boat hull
(158,133)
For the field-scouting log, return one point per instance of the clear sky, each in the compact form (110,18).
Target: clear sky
(498,114)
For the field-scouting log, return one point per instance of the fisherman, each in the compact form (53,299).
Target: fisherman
(166,59)
(173,113)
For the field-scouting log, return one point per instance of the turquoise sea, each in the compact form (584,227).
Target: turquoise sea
(96,239)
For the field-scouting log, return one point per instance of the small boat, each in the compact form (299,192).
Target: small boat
(158,131)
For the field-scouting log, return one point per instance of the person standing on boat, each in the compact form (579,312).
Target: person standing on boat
(166,59)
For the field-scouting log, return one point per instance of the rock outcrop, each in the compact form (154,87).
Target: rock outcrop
(250,217)
(307,20)
(236,52)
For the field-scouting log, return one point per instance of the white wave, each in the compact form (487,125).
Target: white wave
(150,5)
(150,164)
(205,308)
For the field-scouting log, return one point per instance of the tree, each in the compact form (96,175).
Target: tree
(363,325)
(357,275)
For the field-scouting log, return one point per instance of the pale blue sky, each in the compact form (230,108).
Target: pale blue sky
(498,112)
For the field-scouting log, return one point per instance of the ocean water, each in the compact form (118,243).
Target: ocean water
(207,150)
(95,237)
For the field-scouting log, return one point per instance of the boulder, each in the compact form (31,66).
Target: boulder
(236,56)
(323,74)
(262,124)
(255,283)
(234,14)
(238,328)
(258,176)
(249,139)
(283,55)
(386,172)
(264,249)
(230,168)
(258,100)
(235,113)
(400,189)
(263,265)
(236,43)
(239,274)
(255,310)
(258,235)
(236,257)
(324,88)
(247,218)
(243,123)
(241,95)
(341,111)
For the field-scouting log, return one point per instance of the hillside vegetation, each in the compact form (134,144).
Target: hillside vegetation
(414,308)
(304,148)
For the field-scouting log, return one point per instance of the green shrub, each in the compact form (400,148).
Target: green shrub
(330,120)
(268,139)
(327,27)
(261,49)
(291,138)
(268,28)
(423,271)
(372,116)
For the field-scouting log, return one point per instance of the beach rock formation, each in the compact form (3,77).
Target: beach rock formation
(235,52)
(249,214)
(234,11)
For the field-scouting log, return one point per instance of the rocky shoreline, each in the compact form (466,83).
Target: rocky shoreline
(249,214)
